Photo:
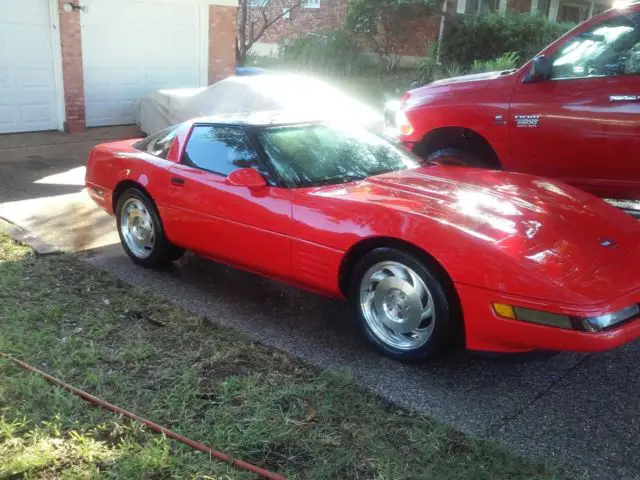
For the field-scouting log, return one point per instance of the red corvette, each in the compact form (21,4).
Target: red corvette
(427,254)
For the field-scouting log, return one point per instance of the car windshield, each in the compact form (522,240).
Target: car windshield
(321,154)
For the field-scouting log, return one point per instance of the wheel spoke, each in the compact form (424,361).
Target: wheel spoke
(137,228)
(378,276)
(390,295)
(399,272)
(428,311)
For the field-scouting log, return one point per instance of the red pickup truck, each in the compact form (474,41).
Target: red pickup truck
(571,113)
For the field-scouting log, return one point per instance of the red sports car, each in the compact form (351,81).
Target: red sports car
(427,254)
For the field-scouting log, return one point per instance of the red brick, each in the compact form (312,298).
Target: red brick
(72,74)
(222,42)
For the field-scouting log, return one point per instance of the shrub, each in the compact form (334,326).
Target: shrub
(508,61)
(490,36)
(429,69)
(332,53)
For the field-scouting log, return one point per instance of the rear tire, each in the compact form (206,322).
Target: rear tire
(403,306)
(457,156)
(141,232)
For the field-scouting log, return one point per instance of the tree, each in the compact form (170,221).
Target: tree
(382,24)
(255,17)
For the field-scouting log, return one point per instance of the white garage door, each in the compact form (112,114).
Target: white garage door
(131,47)
(27,80)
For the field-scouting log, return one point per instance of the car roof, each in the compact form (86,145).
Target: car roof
(259,119)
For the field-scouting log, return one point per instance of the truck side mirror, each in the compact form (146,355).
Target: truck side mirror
(540,70)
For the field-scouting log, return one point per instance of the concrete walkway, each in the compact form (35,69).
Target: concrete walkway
(580,410)
(42,186)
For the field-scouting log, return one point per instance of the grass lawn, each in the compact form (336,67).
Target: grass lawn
(213,385)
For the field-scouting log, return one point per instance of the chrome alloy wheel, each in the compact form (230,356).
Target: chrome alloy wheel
(397,305)
(136,226)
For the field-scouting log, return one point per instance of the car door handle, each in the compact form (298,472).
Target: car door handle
(177,181)
(624,98)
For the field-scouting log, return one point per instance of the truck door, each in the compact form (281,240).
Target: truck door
(581,125)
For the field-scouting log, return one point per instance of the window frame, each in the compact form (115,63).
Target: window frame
(268,172)
(634,18)
(143,144)
(311,4)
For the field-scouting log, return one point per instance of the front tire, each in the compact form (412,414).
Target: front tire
(141,232)
(457,156)
(403,306)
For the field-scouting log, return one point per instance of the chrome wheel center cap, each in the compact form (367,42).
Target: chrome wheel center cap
(399,303)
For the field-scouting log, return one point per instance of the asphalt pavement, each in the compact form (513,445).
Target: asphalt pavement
(575,409)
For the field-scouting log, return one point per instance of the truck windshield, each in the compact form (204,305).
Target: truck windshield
(321,154)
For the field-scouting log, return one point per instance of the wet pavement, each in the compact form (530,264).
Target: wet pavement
(579,410)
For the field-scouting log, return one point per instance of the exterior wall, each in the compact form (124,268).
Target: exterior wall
(420,32)
(222,42)
(222,56)
(519,6)
(330,15)
(72,76)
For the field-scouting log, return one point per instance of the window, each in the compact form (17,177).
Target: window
(572,13)
(220,149)
(311,3)
(159,143)
(611,48)
(321,154)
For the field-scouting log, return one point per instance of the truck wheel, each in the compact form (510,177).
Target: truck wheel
(457,156)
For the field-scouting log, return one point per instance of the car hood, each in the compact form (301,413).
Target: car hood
(470,78)
(547,226)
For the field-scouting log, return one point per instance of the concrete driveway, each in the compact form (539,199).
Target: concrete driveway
(580,410)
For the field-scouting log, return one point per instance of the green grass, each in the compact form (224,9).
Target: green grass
(210,384)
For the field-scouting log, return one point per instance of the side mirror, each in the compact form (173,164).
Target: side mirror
(246,177)
(540,70)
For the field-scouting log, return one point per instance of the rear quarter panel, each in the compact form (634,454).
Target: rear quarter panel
(111,164)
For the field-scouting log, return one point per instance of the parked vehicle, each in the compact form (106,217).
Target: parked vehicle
(252,90)
(427,255)
(572,113)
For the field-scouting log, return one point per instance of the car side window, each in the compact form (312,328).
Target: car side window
(159,143)
(609,49)
(220,149)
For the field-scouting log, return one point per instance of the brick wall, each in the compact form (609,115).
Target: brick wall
(518,6)
(222,42)
(419,32)
(71,46)
(330,15)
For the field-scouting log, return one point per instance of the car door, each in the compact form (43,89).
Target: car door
(247,227)
(581,125)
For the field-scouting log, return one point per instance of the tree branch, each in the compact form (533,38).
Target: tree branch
(266,22)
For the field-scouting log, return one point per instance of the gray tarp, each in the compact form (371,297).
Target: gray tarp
(292,93)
